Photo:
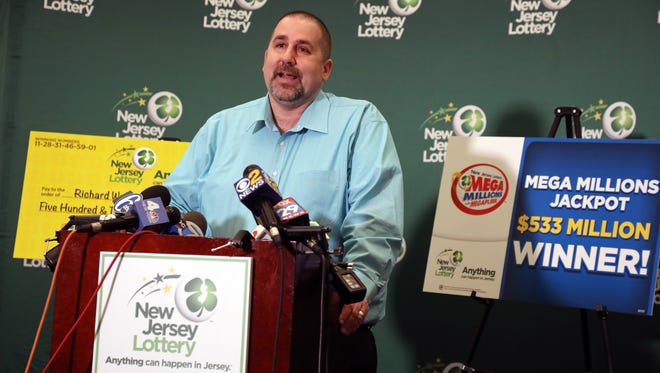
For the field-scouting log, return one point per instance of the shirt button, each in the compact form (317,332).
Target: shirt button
(281,144)
(274,173)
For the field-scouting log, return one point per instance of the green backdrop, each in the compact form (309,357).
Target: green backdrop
(63,70)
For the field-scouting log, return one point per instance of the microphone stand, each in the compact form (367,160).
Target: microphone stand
(347,285)
(314,239)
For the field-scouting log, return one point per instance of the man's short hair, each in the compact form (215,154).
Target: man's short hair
(326,39)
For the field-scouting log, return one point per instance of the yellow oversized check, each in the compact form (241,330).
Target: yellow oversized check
(69,174)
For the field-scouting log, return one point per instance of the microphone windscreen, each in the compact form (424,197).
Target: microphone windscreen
(249,168)
(158,191)
(173,214)
(197,218)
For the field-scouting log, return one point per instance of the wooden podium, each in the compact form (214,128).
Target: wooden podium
(301,326)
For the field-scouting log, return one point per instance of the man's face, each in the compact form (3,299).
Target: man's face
(294,67)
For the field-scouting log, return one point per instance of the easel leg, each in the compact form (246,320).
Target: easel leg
(586,345)
(572,117)
(601,311)
(467,368)
(574,127)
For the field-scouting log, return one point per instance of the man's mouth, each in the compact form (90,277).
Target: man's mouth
(290,75)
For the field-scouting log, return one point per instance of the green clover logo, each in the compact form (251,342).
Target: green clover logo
(167,107)
(465,181)
(202,296)
(254,2)
(164,108)
(619,120)
(144,158)
(622,118)
(469,120)
(555,4)
(473,121)
(406,3)
(457,257)
(404,8)
(251,4)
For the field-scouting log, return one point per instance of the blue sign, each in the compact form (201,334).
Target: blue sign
(584,228)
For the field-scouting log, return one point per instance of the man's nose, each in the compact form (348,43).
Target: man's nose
(289,56)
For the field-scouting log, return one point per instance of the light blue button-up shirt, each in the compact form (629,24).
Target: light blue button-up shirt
(339,163)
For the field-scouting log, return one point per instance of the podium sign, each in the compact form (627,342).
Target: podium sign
(565,222)
(162,312)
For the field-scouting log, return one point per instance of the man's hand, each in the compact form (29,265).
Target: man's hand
(352,316)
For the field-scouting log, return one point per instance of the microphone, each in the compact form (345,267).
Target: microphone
(296,223)
(261,233)
(125,202)
(146,213)
(124,222)
(158,191)
(242,239)
(259,192)
(122,205)
(290,213)
(192,223)
(76,220)
(173,216)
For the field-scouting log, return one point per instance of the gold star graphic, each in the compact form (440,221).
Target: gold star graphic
(167,289)
(142,102)
(447,118)
(597,116)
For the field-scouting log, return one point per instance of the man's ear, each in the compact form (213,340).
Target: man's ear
(327,69)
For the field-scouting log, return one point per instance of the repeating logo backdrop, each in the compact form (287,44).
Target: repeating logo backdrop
(436,69)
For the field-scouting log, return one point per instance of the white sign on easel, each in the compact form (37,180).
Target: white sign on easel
(163,312)
(468,246)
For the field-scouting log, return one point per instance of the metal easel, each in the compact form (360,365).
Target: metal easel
(572,119)
(571,116)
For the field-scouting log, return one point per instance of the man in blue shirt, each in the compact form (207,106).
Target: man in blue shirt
(334,155)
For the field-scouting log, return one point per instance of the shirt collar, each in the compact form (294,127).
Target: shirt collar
(314,118)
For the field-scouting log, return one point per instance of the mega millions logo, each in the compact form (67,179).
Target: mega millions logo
(380,23)
(224,15)
(446,121)
(479,189)
(533,19)
(81,7)
(616,120)
(146,114)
